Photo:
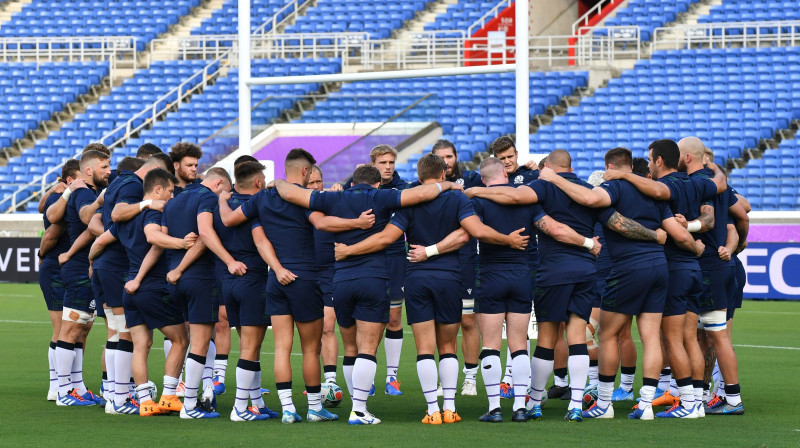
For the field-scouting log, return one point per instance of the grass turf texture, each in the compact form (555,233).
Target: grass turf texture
(769,378)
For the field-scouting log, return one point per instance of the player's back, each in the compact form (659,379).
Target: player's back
(686,196)
(238,241)
(79,199)
(715,238)
(62,244)
(128,185)
(180,218)
(132,237)
(504,219)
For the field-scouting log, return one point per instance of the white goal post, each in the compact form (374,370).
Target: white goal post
(521,67)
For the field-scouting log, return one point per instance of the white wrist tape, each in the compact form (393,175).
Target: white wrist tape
(431,251)
(65,195)
(439,186)
(145,204)
(693,226)
(588,243)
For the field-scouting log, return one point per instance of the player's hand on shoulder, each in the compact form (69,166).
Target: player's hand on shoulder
(59,188)
(132,286)
(101,198)
(724,253)
(173,276)
(189,240)
(531,165)
(285,276)
(470,192)
(237,268)
(337,187)
(597,247)
(158,205)
(63,258)
(518,240)
(547,174)
(77,184)
(661,236)
(341,251)
(681,220)
(613,174)
(451,186)
(417,253)
(225,196)
(366,220)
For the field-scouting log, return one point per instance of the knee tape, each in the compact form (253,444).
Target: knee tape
(467,306)
(715,320)
(114,338)
(120,323)
(77,316)
(396,303)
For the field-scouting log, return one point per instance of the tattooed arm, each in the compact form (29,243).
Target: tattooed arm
(633,230)
(564,233)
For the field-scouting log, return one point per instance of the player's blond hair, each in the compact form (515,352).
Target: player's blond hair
(381,150)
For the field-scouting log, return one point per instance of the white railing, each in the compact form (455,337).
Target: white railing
(491,14)
(583,21)
(137,122)
(294,5)
(723,35)
(66,49)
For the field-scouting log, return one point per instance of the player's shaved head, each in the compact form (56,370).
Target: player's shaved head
(559,158)
(160,160)
(491,170)
(299,158)
(619,158)
(693,146)
(366,174)
(217,173)
(244,158)
(130,164)
(97,147)
(90,156)
(246,173)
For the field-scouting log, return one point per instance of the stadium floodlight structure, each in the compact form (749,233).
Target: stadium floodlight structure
(521,67)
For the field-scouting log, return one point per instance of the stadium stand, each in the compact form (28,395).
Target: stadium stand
(647,15)
(226,19)
(60,18)
(771,183)
(461,15)
(752,10)
(379,18)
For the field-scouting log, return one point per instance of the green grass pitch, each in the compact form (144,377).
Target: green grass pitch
(766,337)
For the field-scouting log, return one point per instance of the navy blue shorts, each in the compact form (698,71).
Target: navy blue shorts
(685,285)
(719,286)
(469,280)
(154,309)
(101,312)
(112,284)
(51,284)
(198,299)
(78,291)
(364,299)
(433,298)
(97,290)
(325,280)
(245,300)
(600,288)
(396,268)
(741,280)
(301,299)
(504,292)
(554,303)
(532,280)
(636,290)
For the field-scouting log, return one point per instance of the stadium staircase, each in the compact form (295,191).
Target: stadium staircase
(185,26)
(11,7)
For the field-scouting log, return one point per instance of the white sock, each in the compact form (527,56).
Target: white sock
(347,371)
(245,372)
(143,392)
(330,377)
(470,372)
(51,361)
(220,367)
(208,370)
(170,384)
(541,367)
(285,395)
(111,357)
(428,376)
(65,354)
(508,378)
(314,398)
(593,374)
(122,371)
(521,368)
(732,396)
(194,375)
(363,375)
(448,375)
(663,380)
(716,378)
(646,393)
(167,347)
(393,344)
(76,375)
(560,381)
(605,390)
(255,390)
(578,365)
(490,369)
(686,393)
(673,387)
(698,393)
(626,379)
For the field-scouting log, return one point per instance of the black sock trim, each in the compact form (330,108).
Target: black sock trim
(519,353)
(683,382)
(548,354)
(394,334)
(348,360)
(666,371)
(368,357)
(607,378)
(105,375)
(125,346)
(447,355)
(65,345)
(52,345)
(284,386)
(561,372)
(79,345)
(628,370)
(593,363)
(111,345)
(314,389)
(732,389)
(198,358)
(221,357)
(424,357)
(706,387)
(488,352)
(697,384)
(329,369)
(650,382)
(578,349)
(245,364)
(470,366)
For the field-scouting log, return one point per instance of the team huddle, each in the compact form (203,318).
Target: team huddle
(152,246)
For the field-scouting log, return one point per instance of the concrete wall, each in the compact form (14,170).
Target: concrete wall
(553,17)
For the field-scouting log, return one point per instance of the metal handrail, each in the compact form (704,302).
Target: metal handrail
(756,33)
(491,14)
(274,20)
(583,21)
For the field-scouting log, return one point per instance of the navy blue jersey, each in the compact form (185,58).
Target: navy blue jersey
(349,205)
(178,189)
(429,223)
(126,188)
(562,263)
(505,219)
(324,248)
(287,227)
(686,196)
(603,263)
(522,176)
(131,236)
(238,241)
(715,238)
(180,218)
(79,198)
(62,245)
(648,212)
